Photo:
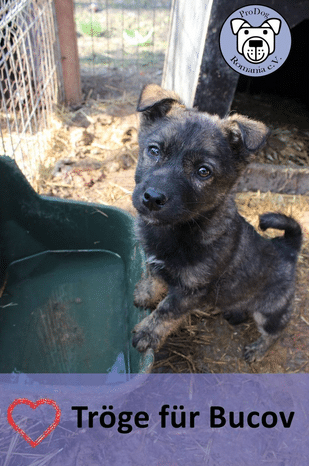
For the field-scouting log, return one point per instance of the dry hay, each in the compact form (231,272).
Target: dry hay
(287,119)
(91,146)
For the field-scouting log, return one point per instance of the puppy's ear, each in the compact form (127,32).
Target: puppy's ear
(155,102)
(245,136)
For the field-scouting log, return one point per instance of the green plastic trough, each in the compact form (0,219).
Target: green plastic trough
(67,275)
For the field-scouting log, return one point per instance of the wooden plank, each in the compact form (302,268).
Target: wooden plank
(274,178)
(189,22)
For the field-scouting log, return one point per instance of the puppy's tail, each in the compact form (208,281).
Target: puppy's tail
(292,229)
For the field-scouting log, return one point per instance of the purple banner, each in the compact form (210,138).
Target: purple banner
(154,420)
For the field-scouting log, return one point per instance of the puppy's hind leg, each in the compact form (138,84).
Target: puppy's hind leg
(270,327)
(256,351)
(235,317)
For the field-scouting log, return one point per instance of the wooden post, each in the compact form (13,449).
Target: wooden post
(194,67)
(189,23)
(217,81)
(69,52)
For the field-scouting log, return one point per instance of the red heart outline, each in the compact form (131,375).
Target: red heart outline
(25,401)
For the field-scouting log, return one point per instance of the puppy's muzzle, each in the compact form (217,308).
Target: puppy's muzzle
(153,199)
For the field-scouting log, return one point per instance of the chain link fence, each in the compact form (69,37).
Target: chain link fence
(121,44)
(30,80)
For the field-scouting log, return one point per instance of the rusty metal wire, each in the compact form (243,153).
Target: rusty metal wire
(30,79)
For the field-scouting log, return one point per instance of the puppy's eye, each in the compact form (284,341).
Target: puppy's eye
(153,151)
(204,172)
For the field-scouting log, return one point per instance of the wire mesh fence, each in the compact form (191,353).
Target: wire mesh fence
(30,80)
(121,43)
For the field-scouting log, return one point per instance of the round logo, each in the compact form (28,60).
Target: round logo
(255,40)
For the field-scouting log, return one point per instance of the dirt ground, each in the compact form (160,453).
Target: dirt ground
(92,158)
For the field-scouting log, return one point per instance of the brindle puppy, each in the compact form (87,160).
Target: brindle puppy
(200,251)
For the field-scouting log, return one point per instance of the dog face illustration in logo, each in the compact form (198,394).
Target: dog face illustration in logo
(256,43)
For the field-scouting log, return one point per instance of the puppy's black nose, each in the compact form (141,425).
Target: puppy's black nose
(153,199)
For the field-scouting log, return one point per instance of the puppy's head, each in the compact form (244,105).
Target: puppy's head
(188,160)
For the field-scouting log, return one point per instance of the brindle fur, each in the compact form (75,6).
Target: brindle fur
(149,291)
(200,251)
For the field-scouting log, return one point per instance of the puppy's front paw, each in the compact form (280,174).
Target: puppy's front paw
(144,335)
(143,300)
(149,292)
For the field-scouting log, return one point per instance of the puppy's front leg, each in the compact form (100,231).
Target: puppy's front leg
(149,291)
(152,331)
